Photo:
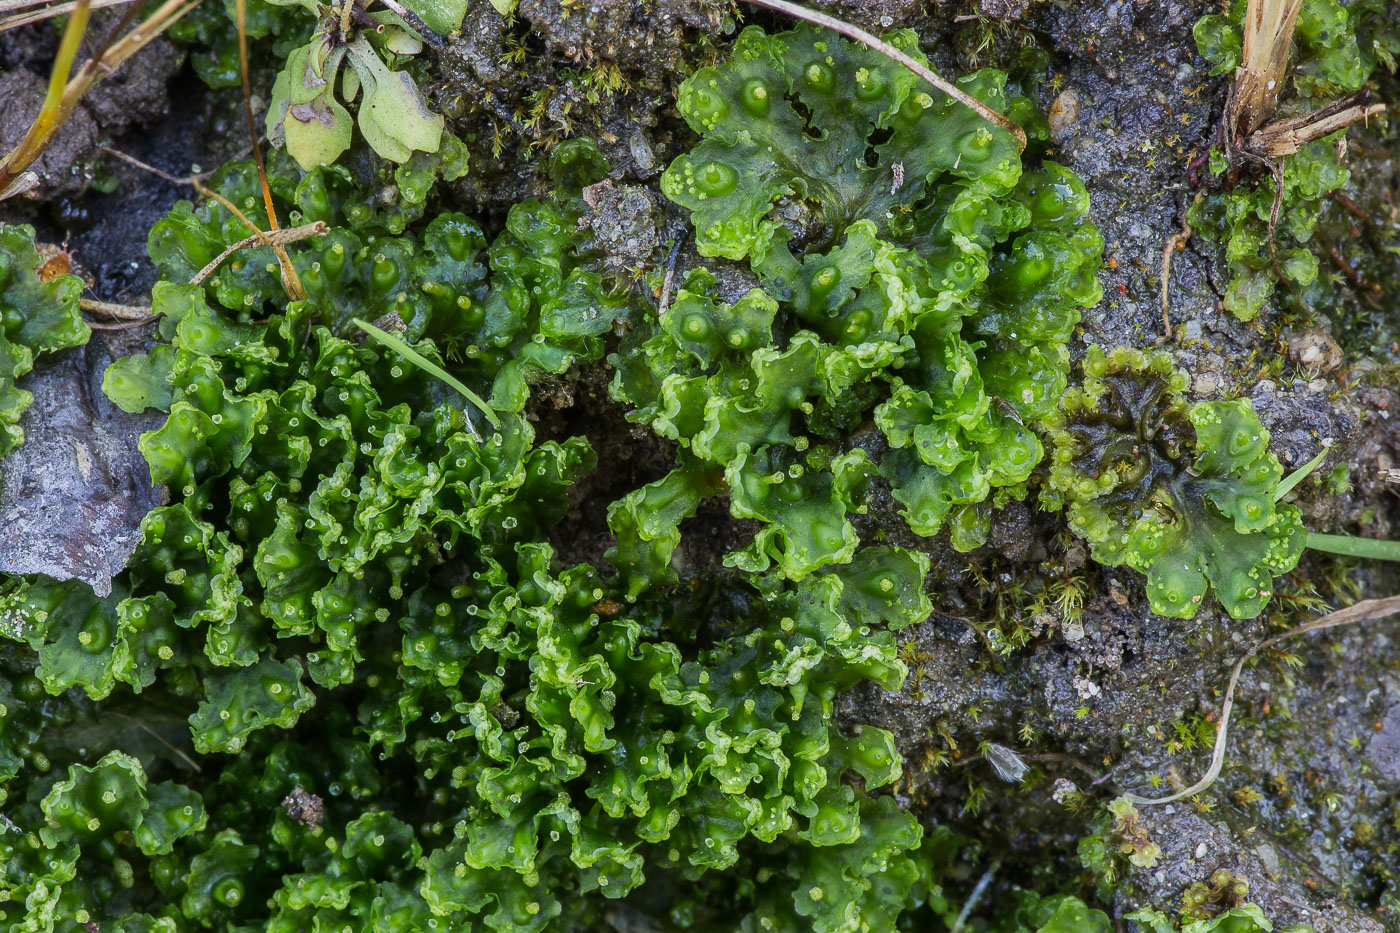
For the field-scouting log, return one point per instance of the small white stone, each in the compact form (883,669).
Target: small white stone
(1063,790)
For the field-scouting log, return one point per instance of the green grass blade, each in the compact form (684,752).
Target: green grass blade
(401,347)
(1298,475)
(1350,546)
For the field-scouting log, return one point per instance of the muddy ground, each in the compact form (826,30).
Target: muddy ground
(1031,646)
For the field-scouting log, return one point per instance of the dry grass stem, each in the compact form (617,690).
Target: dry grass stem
(24,181)
(52,114)
(1368,610)
(1285,137)
(52,118)
(277,239)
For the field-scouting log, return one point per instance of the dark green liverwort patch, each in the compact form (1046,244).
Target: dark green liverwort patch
(1183,493)
(351,592)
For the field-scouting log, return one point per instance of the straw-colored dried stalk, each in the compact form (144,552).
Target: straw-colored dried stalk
(1268,36)
(1285,137)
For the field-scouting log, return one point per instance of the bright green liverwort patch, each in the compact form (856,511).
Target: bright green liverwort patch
(553,748)
(35,317)
(348,684)
(912,274)
(546,308)
(1183,493)
(759,148)
(352,591)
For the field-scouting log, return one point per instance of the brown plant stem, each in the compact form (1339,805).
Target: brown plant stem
(1175,243)
(291,282)
(1285,137)
(1268,35)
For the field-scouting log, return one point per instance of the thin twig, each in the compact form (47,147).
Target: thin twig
(1368,610)
(120,312)
(129,325)
(195,181)
(277,239)
(1175,243)
(128,16)
(48,12)
(1276,170)
(159,173)
(884,48)
(229,206)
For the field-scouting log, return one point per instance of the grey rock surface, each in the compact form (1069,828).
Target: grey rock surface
(73,495)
